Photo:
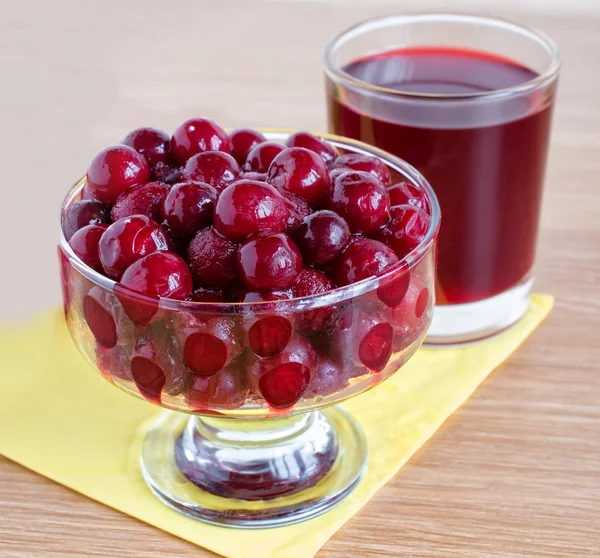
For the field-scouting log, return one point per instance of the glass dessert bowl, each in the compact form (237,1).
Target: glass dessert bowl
(250,379)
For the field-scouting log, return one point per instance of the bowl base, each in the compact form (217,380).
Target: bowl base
(254,474)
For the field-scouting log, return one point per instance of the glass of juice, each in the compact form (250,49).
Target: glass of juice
(467,101)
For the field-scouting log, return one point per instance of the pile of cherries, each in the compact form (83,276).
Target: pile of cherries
(206,216)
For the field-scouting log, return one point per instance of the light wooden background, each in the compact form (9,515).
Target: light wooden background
(514,473)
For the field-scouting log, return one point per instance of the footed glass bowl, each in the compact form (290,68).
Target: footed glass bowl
(251,437)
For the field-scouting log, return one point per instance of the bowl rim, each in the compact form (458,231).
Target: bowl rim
(337,295)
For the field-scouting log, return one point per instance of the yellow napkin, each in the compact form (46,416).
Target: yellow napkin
(64,421)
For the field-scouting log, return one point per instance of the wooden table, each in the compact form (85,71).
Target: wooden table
(516,472)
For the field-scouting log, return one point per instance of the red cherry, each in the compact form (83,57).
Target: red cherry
(365,338)
(85,245)
(144,199)
(148,375)
(128,240)
(298,350)
(157,275)
(164,172)
(362,259)
(312,282)
(212,167)
(405,193)
(243,140)
(393,290)
(248,207)
(212,259)
(152,143)
(300,172)
(99,313)
(83,213)
(322,237)
(307,140)
(297,210)
(406,230)
(283,386)
(114,170)
(197,135)
(267,328)
(329,377)
(189,207)
(261,156)
(269,262)
(364,163)
(362,200)
(409,318)
(207,341)
(225,390)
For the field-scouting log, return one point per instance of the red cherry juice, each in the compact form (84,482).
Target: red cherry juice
(485,157)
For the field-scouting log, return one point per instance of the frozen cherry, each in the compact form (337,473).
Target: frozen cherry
(329,377)
(165,172)
(243,140)
(85,245)
(260,157)
(212,167)
(361,199)
(152,143)
(408,317)
(207,341)
(225,390)
(248,207)
(189,207)
(297,209)
(300,172)
(392,291)
(206,295)
(284,385)
(405,193)
(83,213)
(406,229)
(364,163)
(114,170)
(269,262)
(268,336)
(99,315)
(128,240)
(266,329)
(148,375)
(304,139)
(212,259)
(197,135)
(157,275)
(322,237)
(313,282)
(144,199)
(297,352)
(366,338)
(362,259)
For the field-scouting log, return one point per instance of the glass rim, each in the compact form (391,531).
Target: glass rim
(338,75)
(339,294)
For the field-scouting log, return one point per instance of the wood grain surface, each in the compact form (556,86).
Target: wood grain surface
(516,472)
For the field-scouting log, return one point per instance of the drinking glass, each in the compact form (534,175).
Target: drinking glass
(468,101)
